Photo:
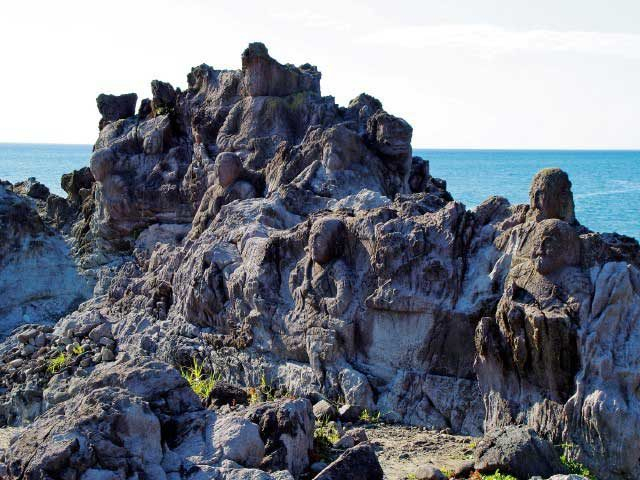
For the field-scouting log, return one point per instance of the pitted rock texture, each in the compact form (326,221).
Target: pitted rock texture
(38,276)
(286,242)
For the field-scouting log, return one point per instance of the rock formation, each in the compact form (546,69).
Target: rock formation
(275,238)
(38,276)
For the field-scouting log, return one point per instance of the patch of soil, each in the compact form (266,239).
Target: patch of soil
(402,449)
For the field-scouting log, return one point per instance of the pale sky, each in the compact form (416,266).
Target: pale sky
(468,74)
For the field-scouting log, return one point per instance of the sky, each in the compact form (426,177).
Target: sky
(463,73)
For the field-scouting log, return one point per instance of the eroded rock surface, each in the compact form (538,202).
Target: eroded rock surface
(38,275)
(279,240)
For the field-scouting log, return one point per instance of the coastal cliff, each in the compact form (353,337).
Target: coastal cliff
(251,229)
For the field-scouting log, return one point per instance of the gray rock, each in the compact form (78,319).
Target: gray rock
(107,355)
(357,463)
(517,451)
(239,439)
(287,428)
(100,474)
(325,410)
(115,107)
(429,472)
(350,413)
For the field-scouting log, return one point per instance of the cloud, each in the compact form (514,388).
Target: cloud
(490,40)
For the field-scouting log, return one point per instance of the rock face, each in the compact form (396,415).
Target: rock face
(286,242)
(38,277)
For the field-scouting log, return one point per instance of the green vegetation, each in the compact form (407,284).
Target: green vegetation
(373,417)
(493,476)
(265,392)
(199,382)
(57,363)
(324,436)
(411,476)
(78,350)
(574,466)
(447,472)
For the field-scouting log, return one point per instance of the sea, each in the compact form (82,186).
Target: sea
(606,183)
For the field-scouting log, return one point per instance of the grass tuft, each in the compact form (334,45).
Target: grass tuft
(369,417)
(324,436)
(492,476)
(57,363)
(573,466)
(200,383)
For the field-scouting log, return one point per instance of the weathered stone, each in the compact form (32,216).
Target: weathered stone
(226,394)
(325,410)
(32,188)
(115,107)
(517,451)
(350,413)
(429,472)
(239,440)
(357,463)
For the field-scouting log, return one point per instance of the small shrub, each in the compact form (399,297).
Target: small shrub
(78,350)
(324,436)
(447,472)
(411,476)
(574,466)
(199,382)
(57,363)
(264,392)
(369,417)
(493,476)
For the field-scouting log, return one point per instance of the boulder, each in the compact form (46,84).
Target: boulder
(350,413)
(429,472)
(325,410)
(357,463)
(286,427)
(239,439)
(517,451)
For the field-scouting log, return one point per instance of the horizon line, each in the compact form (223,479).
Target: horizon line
(439,148)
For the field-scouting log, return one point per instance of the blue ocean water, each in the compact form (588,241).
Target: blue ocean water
(46,162)
(606,184)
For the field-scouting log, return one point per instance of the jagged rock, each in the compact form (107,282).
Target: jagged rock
(31,255)
(115,107)
(164,97)
(263,76)
(357,463)
(76,182)
(254,226)
(550,195)
(32,188)
(517,451)
(286,427)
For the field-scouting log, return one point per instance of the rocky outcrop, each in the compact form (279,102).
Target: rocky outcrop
(537,357)
(38,276)
(287,244)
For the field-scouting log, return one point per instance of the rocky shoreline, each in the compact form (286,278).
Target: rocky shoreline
(248,274)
